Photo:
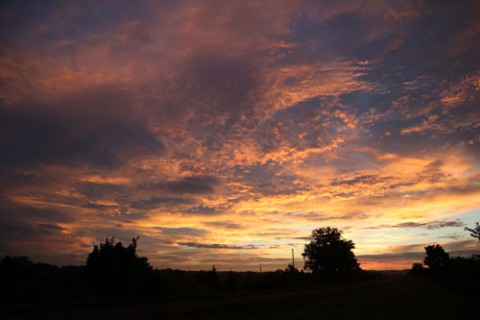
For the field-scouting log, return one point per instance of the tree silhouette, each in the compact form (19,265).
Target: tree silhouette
(436,258)
(329,254)
(417,269)
(474,232)
(15,264)
(291,269)
(113,267)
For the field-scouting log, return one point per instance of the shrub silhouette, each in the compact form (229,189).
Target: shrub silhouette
(417,269)
(291,269)
(115,268)
(329,254)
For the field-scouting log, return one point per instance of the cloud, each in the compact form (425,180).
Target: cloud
(182,231)
(199,184)
(451,236)
(39,233)
(14,211)
(156,202)
(225,225)
(363,179)
(52,227)
(201,210)
(98,128)
(100,206)
(309,238)
(430,225)
(100,191)
(217,246)
(297,83)
(215,91)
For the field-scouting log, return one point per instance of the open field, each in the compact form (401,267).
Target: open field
(391,295)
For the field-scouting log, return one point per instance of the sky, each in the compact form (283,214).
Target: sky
(223,132)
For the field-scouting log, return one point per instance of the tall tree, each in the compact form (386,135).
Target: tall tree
(329,253)
(436,258)
(474,232)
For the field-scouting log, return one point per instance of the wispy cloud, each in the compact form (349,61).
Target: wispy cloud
(431,225)
(217,246)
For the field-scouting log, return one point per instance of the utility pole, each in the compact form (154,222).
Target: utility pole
(293,258)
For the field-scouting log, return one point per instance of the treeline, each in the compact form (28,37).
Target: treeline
(26,282)
(113,269)
(461,273)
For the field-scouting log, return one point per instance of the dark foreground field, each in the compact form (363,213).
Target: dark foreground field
(391,295)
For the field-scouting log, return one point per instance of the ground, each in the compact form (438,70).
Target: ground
(391,295)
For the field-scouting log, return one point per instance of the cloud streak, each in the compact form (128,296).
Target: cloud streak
(430,225)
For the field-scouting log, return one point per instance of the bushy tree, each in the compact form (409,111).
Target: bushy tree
(329,253)
(114,267)
(474,232)
(436,258)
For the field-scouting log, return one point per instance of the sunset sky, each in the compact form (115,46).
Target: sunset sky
(223,132)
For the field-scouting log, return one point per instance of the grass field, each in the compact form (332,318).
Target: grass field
(390,295)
